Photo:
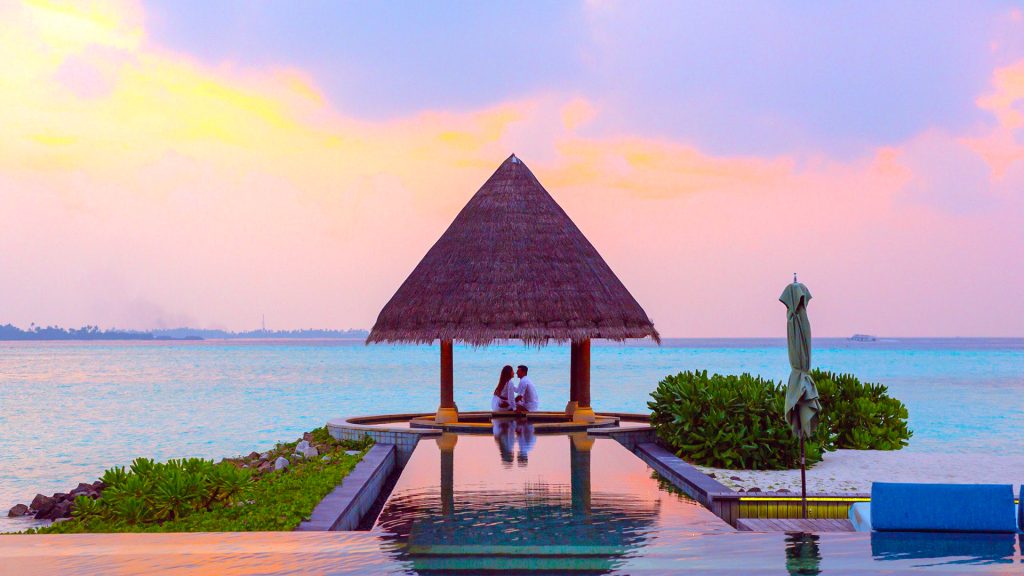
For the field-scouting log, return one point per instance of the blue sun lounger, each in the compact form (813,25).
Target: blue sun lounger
(939,508)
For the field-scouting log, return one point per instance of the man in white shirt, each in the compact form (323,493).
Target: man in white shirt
(526,394)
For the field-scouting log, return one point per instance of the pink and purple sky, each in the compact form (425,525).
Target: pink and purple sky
(187,163)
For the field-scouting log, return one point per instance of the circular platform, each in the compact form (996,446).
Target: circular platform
(483,422)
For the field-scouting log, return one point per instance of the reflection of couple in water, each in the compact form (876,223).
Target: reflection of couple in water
(508,432)
(509,397)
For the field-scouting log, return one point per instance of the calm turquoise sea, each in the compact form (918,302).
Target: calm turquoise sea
(70,410)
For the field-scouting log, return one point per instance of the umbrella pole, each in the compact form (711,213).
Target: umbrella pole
(803,477)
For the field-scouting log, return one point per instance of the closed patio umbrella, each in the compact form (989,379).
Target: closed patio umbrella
(802,404)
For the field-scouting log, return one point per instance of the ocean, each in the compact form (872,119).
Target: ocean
(69,410)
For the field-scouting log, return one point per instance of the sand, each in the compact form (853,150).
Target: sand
(855,470)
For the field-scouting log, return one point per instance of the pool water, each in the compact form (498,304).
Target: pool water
(514,498)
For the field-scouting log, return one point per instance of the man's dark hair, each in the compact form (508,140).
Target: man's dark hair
(524,369)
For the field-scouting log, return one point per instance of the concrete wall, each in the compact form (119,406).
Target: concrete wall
(404,440)
(346,505)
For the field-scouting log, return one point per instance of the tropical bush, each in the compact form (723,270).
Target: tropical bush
(727,421)
(195,495)
(736,422)
(153,492)
(860,415)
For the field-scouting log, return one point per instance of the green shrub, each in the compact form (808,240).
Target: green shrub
(728,422)
(862,416)
(737,422)
(151,492)
(196,495)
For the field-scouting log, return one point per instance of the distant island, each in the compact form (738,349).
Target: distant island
(10,332)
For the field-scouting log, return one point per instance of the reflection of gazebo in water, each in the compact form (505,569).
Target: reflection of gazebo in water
(512,265)
(543,527)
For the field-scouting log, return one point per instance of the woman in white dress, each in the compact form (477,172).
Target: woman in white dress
(504,396)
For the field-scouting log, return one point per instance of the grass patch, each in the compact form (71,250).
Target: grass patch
(190,495)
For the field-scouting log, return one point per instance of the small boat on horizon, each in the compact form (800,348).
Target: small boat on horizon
(863,338)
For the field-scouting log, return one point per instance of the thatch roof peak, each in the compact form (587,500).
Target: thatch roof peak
(512,265)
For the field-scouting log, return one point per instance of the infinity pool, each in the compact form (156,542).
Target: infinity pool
(517,502)
(557,502)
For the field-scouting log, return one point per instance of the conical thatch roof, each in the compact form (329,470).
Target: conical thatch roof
(511,266)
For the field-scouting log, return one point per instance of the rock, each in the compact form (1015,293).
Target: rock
(17,510)
(82,487)
(42,503)
(754,489)
(712,475)
(281,463)
(84,490)
(783,490)
(99,485)
(253,456)
(737,478)
(352,452)
(302,446)
(265,456)
(310,452)
(326,458)
(62,510)
(59,510)
(60,496)
(58,520)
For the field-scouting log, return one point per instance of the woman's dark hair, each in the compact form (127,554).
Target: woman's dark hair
(506,375)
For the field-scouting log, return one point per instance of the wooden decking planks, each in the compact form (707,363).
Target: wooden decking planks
(793,525)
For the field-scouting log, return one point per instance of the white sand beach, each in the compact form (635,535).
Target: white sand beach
(855,470)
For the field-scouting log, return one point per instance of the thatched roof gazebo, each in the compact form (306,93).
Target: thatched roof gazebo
(512,265)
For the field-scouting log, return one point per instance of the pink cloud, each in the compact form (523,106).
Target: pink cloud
(172,191)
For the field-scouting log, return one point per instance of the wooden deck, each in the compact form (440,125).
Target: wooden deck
(793,525)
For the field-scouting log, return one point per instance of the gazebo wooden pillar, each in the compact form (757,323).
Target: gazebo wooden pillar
(447,411)
(574,359)
(580,359)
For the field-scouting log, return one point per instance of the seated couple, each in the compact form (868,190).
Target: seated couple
(509,397)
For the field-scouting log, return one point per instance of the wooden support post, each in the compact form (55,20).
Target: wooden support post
(583,413)
(447,411)
(574,361)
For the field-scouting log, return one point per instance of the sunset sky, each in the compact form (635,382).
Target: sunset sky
(176,163)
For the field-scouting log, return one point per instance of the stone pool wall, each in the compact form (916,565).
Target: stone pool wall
(403,439)
(346,505)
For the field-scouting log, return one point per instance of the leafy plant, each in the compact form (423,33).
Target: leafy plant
(737,422)
(195,495)
(728,421)
(862,416)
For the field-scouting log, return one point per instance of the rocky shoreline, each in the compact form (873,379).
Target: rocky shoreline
(60,506)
